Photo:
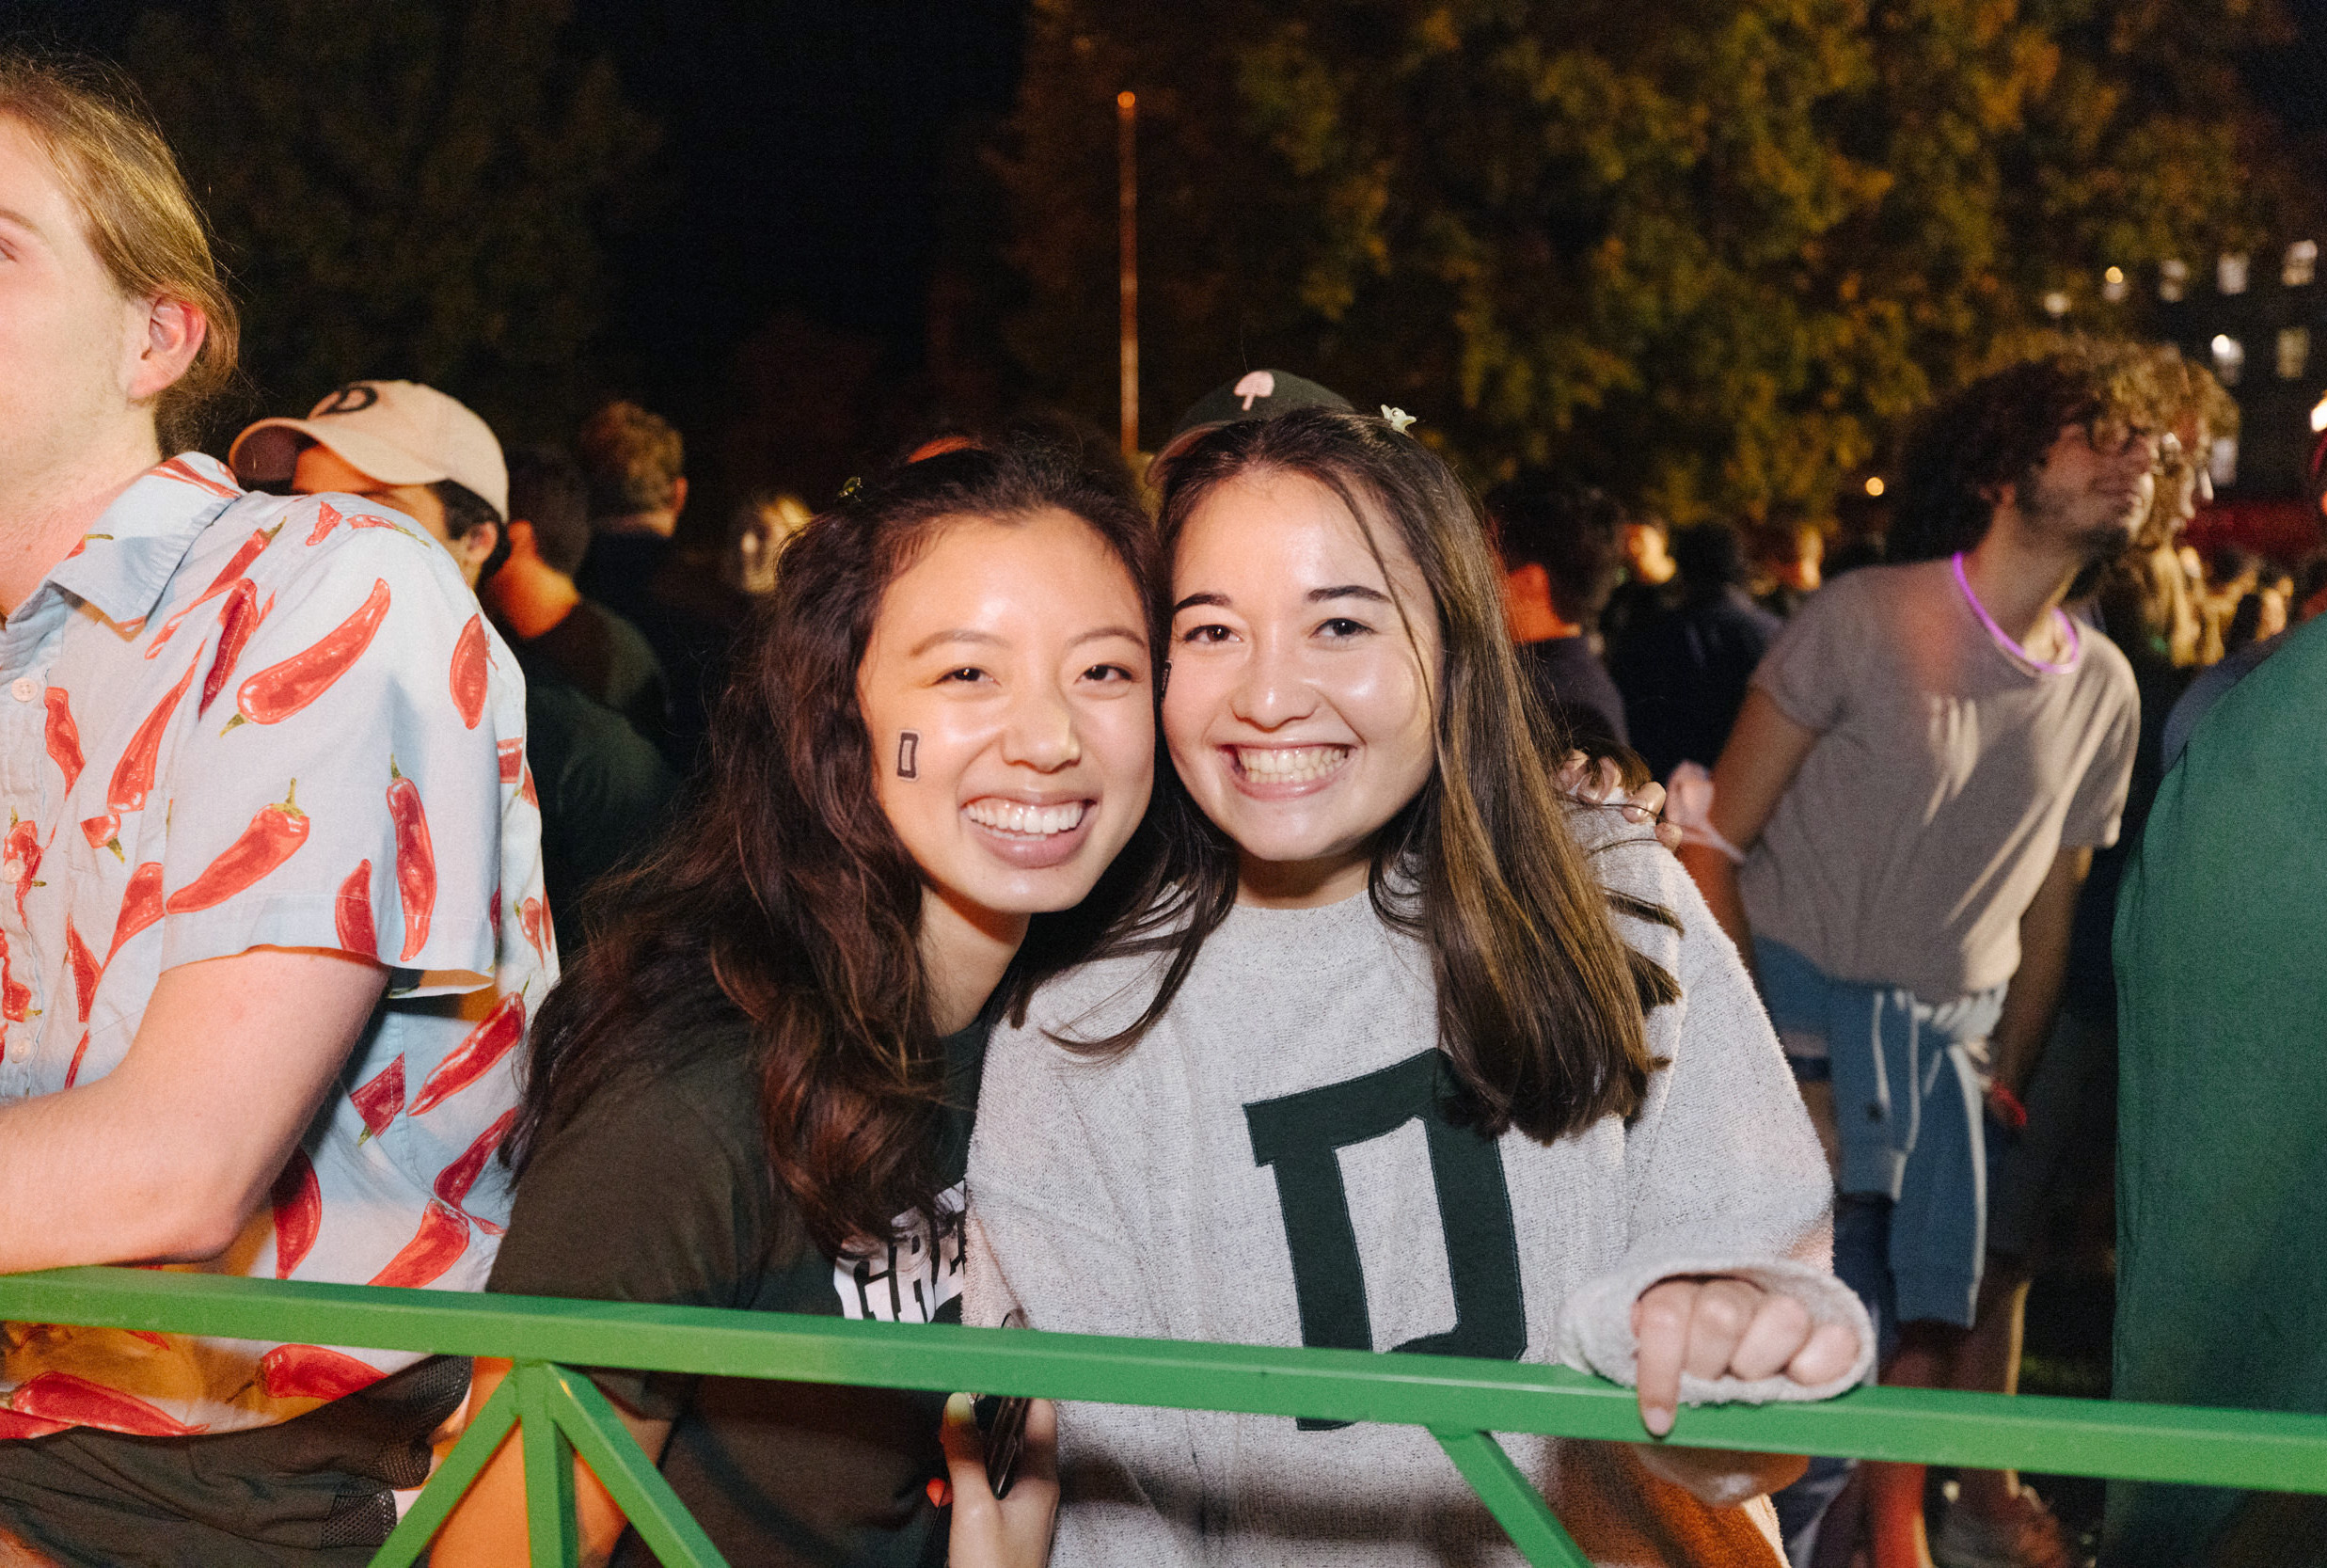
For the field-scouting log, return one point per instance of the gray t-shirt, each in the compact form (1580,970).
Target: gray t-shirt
(1272,1164)
(1946,778)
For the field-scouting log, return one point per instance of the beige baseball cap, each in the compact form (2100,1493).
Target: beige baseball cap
(398,432)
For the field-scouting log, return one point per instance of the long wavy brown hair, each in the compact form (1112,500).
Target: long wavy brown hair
(783,902)
(1541,1004)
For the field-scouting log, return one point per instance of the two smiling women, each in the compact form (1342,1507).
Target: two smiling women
(1372,1037)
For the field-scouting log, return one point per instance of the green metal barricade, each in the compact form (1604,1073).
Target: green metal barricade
(560,1412)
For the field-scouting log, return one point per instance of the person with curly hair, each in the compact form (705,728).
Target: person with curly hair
(1909,802)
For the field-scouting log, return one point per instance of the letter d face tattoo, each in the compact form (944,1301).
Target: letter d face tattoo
(909,745)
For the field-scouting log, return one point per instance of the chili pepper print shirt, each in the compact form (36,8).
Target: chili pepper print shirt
(235,720)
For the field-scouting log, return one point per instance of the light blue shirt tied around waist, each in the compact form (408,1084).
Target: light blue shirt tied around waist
(1908,1101)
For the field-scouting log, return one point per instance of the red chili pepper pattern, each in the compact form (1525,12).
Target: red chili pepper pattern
(442,1238)
(185,473)
(250,550)
(277,692)
(416,860)
(297,1198)
(123,737)
(453,1181)
(63,736)
(23,850)
(329,517)
(240,618)
(272,837)
(15,996)
(488,1043)
(470,671)
(141,906)
(77,1402)
(313,1372)
(132,776)
(352,915)
(86,971)
(378,1100)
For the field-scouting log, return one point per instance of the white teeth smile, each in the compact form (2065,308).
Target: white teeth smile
(1010,816)
(1289,764)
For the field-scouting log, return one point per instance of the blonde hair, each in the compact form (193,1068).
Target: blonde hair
(138,217)
(632,459)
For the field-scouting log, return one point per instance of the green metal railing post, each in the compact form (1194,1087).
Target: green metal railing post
(445,1489)
(1513,1498)
(638,1488)
(548,1468)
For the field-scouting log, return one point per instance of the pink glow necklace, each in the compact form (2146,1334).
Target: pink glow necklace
(2004,638)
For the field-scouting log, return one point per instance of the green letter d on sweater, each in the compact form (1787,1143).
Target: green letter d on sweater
(1300,1138)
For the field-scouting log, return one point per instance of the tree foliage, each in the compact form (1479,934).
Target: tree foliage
(415,189)
(1710,251)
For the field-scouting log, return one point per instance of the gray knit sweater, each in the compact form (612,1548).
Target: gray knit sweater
(1265,1167)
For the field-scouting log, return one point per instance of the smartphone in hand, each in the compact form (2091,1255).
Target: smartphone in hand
(1002,1423)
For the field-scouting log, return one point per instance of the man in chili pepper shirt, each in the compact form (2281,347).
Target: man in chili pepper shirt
(270,926)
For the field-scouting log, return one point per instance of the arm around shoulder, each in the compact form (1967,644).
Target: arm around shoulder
(1766,749)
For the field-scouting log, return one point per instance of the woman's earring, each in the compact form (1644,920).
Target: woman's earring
(1163,682)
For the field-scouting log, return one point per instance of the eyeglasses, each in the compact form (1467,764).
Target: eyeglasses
(2115,435)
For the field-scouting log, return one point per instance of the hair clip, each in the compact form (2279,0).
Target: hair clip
(851,490)
(1399,418)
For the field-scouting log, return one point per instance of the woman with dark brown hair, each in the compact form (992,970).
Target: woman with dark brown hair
(1416,1055)
(755,1089)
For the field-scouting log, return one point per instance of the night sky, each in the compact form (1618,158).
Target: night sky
(807,145)
(804,146)
(811,138)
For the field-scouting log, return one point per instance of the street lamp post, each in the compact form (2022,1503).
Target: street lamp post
(1127,196)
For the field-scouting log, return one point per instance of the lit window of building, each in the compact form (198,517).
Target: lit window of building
(2222,463)
(2277,315)
(2229,358)
(2294,352)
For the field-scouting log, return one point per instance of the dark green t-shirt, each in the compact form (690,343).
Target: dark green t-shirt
(606,657)
(606,793)
(2223,1065)
(660,1191)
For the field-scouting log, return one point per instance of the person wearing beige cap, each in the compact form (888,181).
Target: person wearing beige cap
(399,444)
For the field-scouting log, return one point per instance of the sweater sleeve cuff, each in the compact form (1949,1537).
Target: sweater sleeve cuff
(1595,1329)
